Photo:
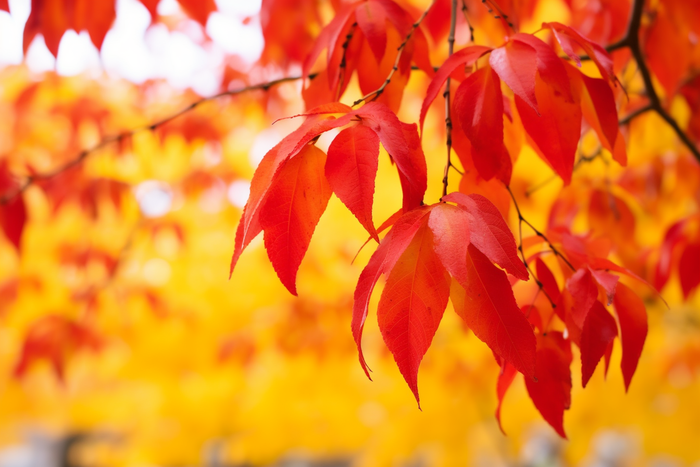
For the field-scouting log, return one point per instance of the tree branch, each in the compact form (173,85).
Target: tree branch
(631,41)
(522,252)
(32,179)
(521,220)
(448,112)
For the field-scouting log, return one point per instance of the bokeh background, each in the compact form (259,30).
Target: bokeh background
(176,365)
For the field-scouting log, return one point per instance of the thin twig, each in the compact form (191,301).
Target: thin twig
(632,115)
(107,140)
(465,10)
(522,219)
(399,52)
(522,252)
(344,62)
(448,112)
(491,5)
(631,41)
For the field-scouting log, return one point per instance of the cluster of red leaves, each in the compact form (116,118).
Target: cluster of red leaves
(460,249)
(54,338)
(357,40)
(550,95)
(52,18)
(680,249)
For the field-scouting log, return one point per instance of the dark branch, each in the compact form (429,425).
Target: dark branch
(32,179)
(631,41)
(521,220)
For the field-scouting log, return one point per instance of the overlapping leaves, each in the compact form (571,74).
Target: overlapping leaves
(460,249)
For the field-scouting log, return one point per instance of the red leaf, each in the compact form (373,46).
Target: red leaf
(505,379)
(249,225)
(351,169)
(329,36)
(412,305)
(492,314)
(567,36)
(402,142)
(371,19)
(417,46)
(198,10)
(689,268)
(584,292)
(608,282)
(599,331)
(13,214)
(549,283)
(13,217)
(599,110)
(55,338)
(632,317)
(4,5)
(551,392)
(450,226)
(489,232)
(664,34)
(478,105)
(674,236)
(296,199)
(549,66)
(464,57)
(48,18)
(383,260)
(556,130)
(95,17)
(151,6)
(516,64)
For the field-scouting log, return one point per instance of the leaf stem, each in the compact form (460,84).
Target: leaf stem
(446,95)
(521,220)
(399,52)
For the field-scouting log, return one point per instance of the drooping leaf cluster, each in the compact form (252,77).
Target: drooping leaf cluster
(555,91)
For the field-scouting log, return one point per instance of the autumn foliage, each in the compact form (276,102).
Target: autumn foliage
(521,175)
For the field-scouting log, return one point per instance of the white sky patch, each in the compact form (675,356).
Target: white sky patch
(76,54)
(327,138)
(234,37)
(155,198)
(11,27)
(137,51)
(238,193)
(265,141)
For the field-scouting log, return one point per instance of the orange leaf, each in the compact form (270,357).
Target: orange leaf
(551,391)
(296,199)
(599,331)
(382,261)
(412,305)
(632,317)
(351,169)
(516,64)
(492,314)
